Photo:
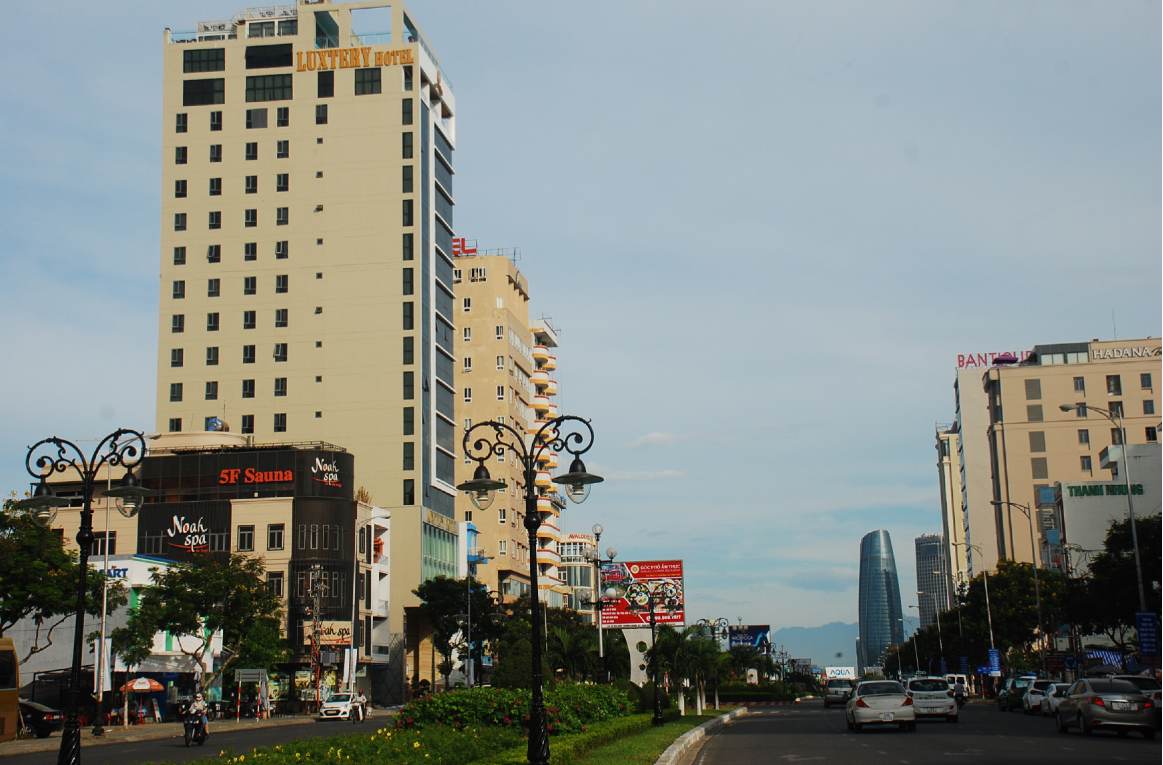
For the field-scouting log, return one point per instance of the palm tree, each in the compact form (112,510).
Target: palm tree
(742,659)
(572,652)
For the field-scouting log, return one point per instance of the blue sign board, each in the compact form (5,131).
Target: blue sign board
(944,669)
(1070,662)
(1148,629)
(965,665)
(983,670)
(995,662)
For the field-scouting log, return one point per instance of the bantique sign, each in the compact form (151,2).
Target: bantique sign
(970,360)
(330,633)
(351,58)
(250,475)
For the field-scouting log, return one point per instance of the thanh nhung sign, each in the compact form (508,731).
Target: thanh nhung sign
(633,582)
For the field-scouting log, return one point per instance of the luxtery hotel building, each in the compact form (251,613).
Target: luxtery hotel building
(306,273)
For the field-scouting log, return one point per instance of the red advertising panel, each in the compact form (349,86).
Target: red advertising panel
(633,582)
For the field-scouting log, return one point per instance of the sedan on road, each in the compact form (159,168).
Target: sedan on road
(41,720)
(1009,697)
(1106,704)
(880,702)
(1032,698)
(837,691)
(1048,706)
(932,697)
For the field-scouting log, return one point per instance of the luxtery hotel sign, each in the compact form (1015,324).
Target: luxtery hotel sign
(351,58)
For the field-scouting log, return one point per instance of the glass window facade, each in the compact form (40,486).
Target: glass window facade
(881,620)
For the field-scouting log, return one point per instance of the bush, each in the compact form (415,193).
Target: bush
(633,692)
(646,698)
(569,708)
(571,748)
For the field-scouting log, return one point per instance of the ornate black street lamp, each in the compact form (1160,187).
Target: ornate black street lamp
(714,629)
(495,439)
(124,448)
(659,593)
(597,598)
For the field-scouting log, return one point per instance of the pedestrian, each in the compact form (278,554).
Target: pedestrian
(361,699)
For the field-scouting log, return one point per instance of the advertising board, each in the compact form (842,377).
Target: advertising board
(632,582)
(757,636)
(843,673)
(331,633)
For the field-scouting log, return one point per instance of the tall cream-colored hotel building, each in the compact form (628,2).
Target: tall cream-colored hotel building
(306,253)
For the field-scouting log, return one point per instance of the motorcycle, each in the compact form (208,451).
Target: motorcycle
(195,729)
(960,699)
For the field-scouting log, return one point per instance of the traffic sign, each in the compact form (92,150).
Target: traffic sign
(965,665)
(1070,662)
(994,662)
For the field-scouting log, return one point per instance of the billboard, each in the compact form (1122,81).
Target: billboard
(757,636)
(844,673)
(633,581)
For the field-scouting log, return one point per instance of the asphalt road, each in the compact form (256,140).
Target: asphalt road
(811,733)
(174,749)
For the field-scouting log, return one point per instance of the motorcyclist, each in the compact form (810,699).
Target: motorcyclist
(959,692)
(361,700)
(199,707)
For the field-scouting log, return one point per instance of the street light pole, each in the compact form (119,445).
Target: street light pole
(916,654)
(122,448)
(495,439)
(1029,513)
(937,612)
(667,594)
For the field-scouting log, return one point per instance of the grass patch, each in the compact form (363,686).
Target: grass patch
(647,746)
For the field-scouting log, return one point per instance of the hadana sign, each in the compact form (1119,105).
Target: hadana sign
(633,582)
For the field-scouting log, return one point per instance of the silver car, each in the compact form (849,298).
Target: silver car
(1032,698)
(880,702)
(1106,705)
(837,691)
(932,697)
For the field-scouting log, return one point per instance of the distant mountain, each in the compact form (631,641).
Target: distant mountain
(820,644)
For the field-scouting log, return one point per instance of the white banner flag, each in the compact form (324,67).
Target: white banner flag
(106,676)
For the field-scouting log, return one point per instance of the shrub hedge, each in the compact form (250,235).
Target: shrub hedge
(569,708)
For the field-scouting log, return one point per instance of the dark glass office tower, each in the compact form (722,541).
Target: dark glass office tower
(881,624)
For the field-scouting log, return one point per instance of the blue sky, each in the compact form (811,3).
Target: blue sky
(764,230)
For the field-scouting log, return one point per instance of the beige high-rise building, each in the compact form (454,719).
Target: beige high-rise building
(1033,445)
(956,562)
(507,375)
(974,476)
(306,254)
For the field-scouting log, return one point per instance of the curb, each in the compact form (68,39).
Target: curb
(686,741)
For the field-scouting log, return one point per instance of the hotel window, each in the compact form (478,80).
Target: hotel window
(1116,408)
(215,219)
(179,290)
(282,216)
(180,189)
(1034,413)
(275,533)
(215,187)
(275,583)
(283,182)
(204,60)
(179,256)
(282,282)
(407,247)
(1038,468)
(407,212)
(281,422)
(320,114)
(467,334)
(467,305)
(409,386)
(212,322)
(502,547)
(468,395)
(216,152)
(248,354)
(409,352)
(280,317)
(406,112)
(1085,464)
(252,150)
(1033,390)
(1114,385)
(407,179)
(180,123)
(282,149)
(1081,410)
(500,363)
(178,323)
(1152,435)
(247,424)
(213,287)
(407,78)
(409,491)
(282,250)
(215,121)
(212,356)
(283,117)
(246,538)
(500,332)
(367,81)
(251,184)
(1117,437)
(500,454)
(407,281)
(468,363)
(1145,381)
(1080,385)
(407,145)
(177,357)
(99,543)
(280,352)
(256,119)
(280,386)
(250,218)
(175,392)
(214,253)
(408,320)
(212,391)
(409,455)
(250,251)
(409,421)
(179,155)
(179,221)
(269,87)
(501,515)
(248,388)
(249,320)
(1148,406)
(175,424)
(325,84)
(250,285)
(1084,438)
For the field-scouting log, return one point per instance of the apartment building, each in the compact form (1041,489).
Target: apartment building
(932,578)
(981,530)
(306,254)
(577,571)
(955,561)
(1034,445)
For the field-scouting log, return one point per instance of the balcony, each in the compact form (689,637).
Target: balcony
(552,413)
(543,479)
(540,352)
(549,531)
(541,404)
(551,388)
(535,426)
(547,556)
(550,363)
(540,378)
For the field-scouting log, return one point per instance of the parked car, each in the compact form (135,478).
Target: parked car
(1106,704)
(837,691)
(1149,687)
(41,720)
(1053,696)
(1009,696)
(932,697)
(1032,698)
(336,707)
(880,702)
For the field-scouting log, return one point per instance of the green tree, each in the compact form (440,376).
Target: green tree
(573,653)
(38,578)
(515,667)
(442,599)
(192,601)
(742,658)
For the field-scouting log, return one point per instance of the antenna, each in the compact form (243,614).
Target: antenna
(1114,329)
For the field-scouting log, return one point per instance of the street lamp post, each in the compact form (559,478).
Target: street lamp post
(937,612)
(665,594)
(598,599)
(1029,513)
(123,448)
(916,654)
(985,574)
(495,439)
(1127,480)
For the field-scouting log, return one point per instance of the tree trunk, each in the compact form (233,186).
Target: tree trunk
(716,695)
(699,699)
(681,701)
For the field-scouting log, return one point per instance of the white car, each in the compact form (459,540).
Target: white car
(1032,698)
(1052,698)
(338,706)
(932,697)
(880,702)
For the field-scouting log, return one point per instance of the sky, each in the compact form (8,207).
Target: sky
(763,230)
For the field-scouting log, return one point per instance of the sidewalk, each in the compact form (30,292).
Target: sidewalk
(147,732)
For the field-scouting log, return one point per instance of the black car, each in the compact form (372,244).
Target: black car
(40,719)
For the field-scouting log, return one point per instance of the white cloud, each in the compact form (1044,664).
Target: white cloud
(661,439)
(637,475)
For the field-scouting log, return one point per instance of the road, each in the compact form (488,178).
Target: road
(174,749)
(811,733)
